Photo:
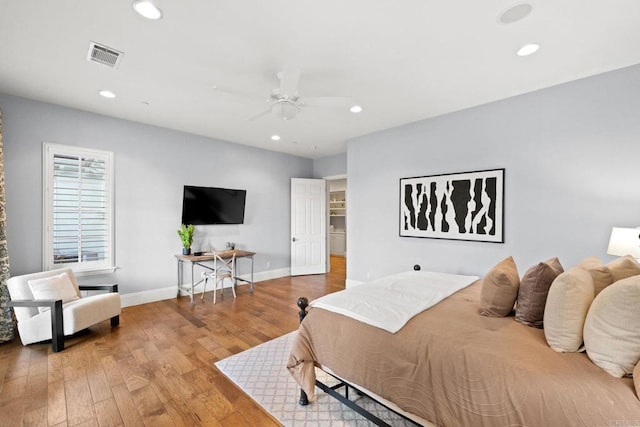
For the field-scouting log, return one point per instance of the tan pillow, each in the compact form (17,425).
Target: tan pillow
(600,273)
(602,277)
(534,287)
(500,289)
(636,379)
(612,328)
(590,262)
(624,267)
(568,301)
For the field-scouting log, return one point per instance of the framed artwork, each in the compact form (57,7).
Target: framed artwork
(457,206)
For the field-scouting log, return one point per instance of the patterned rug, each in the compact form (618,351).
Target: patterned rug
(261,372)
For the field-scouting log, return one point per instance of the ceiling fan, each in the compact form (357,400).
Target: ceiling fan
(286,103)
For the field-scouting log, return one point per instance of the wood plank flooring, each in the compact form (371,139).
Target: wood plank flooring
(156,368)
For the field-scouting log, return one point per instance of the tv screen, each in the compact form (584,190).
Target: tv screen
(208,205)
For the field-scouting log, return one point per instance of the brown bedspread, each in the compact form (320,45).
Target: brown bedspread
(454,367)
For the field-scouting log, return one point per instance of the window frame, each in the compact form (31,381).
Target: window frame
(50,150)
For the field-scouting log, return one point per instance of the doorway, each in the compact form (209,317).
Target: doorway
(337,218)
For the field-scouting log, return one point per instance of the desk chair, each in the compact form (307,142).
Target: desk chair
(222,269)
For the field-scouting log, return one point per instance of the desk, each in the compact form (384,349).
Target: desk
(202,262)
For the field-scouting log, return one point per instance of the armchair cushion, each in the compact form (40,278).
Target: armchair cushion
(77,315)
(53,287)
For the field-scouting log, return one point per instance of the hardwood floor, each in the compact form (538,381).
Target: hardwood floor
(156,368)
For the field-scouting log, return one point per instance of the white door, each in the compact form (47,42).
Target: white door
(308,227)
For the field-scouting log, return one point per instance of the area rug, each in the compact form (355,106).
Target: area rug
(261,373)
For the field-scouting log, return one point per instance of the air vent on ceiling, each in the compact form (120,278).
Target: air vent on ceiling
(104,55)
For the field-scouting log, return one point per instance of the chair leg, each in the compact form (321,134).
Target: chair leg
(57,327)
(215,290)
(115,321)
(204,288)
(233,288)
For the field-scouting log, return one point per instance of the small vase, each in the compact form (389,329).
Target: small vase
(186,251)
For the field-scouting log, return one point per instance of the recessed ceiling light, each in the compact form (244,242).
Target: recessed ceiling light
(147,9)
(355,109)
(107,94)
(528,49)
(275,137)
(515,13)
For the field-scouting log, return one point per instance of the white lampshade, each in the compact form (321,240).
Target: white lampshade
(624,241)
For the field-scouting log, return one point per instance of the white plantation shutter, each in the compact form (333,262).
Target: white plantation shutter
(78,208)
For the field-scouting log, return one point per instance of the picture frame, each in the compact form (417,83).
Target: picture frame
(456,206)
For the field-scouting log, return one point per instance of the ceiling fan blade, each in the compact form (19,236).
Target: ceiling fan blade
(327,101)
(226,91)
(289,79)
(261,114)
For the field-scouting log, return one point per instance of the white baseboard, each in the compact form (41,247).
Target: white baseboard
(349,283)
(144,297)
(160,294)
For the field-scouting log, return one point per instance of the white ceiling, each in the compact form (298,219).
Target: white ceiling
(402,61)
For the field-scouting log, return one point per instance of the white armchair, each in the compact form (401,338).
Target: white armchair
(52,318)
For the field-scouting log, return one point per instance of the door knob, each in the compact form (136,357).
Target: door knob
(293,239)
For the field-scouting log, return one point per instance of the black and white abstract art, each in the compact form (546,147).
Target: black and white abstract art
(458,206)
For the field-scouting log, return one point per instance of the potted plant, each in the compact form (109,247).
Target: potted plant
(186,235)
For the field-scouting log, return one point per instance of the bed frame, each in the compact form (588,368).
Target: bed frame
(303,303)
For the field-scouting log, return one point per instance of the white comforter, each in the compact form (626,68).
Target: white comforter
(390,302)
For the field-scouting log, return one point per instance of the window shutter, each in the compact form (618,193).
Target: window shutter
(80,212)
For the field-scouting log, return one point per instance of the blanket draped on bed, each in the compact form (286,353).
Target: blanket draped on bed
(454,367)
(390,302)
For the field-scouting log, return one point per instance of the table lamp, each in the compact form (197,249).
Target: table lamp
(624,241)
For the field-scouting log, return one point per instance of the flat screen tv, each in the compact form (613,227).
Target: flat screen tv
(209,205)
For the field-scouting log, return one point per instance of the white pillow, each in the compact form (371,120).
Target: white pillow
(568,301)
(53,287)
(612,328)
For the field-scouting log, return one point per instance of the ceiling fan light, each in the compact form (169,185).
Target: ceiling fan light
(286,110)
(147,9)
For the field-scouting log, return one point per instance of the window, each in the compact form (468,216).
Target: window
(78,208)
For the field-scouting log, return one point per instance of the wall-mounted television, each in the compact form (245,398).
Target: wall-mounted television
(210,205)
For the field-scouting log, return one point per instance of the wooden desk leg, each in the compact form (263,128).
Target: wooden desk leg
(179,278)
(192,284)
(251,284)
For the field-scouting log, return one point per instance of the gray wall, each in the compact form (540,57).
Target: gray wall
(330,165)
(151,166)
(571,155)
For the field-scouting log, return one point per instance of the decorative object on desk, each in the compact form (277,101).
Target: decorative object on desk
(624,241)
(456,206)
(231,246)
(186,235)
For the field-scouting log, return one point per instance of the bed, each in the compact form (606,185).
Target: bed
(450,366)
